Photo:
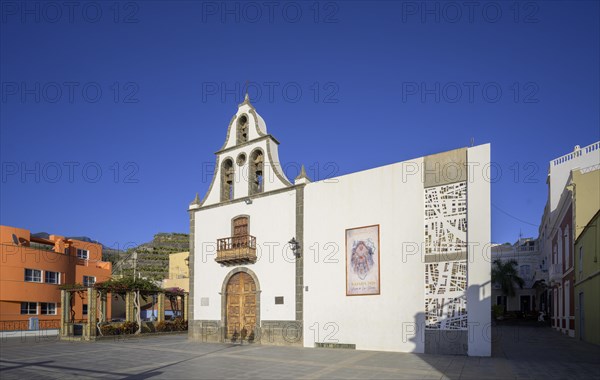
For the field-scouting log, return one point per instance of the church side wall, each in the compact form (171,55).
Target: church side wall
(393,199)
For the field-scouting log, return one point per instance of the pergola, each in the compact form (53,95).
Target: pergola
(97,299)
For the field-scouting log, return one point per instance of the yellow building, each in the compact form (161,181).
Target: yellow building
(179,272)
(585,185)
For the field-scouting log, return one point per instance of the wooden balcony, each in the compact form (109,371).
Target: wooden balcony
(236,250)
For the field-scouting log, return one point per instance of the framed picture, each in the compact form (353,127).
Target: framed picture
(362,261)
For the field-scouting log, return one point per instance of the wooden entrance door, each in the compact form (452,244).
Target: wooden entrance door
(241,307)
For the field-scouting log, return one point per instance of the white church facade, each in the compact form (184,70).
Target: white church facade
(394,258)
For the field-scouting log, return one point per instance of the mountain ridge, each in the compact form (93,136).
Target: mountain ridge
(152,256)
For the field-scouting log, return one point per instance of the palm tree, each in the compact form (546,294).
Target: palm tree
(505,274)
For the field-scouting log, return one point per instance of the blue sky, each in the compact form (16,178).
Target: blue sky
(111,111)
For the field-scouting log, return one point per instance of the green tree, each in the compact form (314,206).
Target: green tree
(506,275)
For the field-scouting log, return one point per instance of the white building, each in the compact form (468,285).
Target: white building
(383,261)
(530,266)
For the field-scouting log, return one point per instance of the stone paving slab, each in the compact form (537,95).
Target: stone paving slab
(518,353)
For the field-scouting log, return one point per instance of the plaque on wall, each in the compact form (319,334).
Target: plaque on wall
(362,261)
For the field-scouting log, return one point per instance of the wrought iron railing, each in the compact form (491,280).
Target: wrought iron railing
(24,324)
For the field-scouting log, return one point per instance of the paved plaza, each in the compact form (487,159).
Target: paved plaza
(518,353)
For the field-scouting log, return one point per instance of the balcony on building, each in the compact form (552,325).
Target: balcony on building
(236,250)
(41,244)
(555,272)
(528,246)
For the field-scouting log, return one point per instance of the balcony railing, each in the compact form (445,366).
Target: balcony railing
(578,153)
(527,248)
(41,247)
(555,272)
(236,250)
(23,325)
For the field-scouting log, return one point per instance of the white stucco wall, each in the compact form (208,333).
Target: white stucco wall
(394,319)
(374,322)
(479,291)
(272,220)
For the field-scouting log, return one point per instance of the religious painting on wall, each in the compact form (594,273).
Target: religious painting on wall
(362,261)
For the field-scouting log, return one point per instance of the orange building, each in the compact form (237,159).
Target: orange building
(32,269)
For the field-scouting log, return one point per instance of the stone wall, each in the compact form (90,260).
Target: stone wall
(278,333)
(446,342)
(281,333)
(205,331)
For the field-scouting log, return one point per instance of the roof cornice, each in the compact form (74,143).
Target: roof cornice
(264,137)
